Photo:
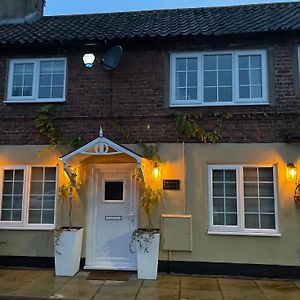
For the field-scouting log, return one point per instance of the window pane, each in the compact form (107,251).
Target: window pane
(35,216)
(225,94)
(49,188)
(27,91)
(231,219)
(244,77)
(181,94)
(6,215)
(218,219)
(17,202)
(256,92)
(36,188)
(243,62)
(218,175)
(6,202)
(230,175)
(16,215)
(251,204)
(266,189)
(28,68)
(7,188)
(218,204)
(218,189)
(255,61)
(251,189)
(28,80)
(180,64)
(225,61)
(192,94)
(57,92)
(50,174)
(256,77)
(58,79)
(210,94)
(266,174)
(268,221)
(19,175)
(267,205)
(17,91)
(252,221)
(44,92)
(114,190)
(49,202)
(244,92)
(192,64)
(36,202)
(210,62)
(45,80)
(192,79)
(37,173)
(231,205)
(46,67)
(230,189)
(250,174)
(48,217)
(180,79)
(225,78)
(18,80)
(18,68)
(8,174)
(210,78)
(58,66)
(18,188)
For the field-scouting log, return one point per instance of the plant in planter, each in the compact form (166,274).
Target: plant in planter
(68,240)
(146,240)
(297,194)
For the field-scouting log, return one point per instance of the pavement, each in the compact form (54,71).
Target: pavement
(29,284)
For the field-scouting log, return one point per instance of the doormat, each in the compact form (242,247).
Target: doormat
(109,275)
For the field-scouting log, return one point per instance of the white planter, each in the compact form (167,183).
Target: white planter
(68,252)
(147,262)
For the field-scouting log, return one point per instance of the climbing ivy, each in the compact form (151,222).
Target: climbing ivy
(188,125)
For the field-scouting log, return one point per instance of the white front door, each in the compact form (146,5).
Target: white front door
(111,217)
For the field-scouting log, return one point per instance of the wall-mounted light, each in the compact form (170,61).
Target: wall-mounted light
(88,59)
(291,171)
(156,172)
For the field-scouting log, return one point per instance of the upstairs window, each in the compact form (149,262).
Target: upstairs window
(223,78)
(36,80)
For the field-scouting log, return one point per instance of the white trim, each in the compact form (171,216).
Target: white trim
(35,83)
(240,228)
(23,224)
(244,233)
(236,100)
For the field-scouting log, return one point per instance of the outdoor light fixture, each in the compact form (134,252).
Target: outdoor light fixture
(291,171)
(156,170)
(88,59)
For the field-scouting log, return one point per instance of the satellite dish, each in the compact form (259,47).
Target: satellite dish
(112,58)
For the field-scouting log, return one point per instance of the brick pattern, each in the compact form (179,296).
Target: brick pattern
(139,98)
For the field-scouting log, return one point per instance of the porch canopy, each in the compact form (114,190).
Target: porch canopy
(104,149)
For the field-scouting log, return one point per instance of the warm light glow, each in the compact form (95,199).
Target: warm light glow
(88,59)
(291,171)
(156,171)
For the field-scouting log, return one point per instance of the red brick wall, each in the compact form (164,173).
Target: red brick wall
(140,97)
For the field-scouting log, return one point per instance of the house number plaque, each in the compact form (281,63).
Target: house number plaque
(171,184)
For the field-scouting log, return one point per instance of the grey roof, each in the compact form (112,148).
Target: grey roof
(209,21)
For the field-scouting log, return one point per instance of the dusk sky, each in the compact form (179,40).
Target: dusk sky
(63,7)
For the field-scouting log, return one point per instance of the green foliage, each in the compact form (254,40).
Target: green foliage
(150,152)
(46,126)
(188,124)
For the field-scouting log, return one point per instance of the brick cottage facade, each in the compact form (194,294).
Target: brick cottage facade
(239,64)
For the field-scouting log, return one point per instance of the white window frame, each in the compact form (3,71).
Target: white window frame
(23,224)
(235,79)
(35,85)
(240,228)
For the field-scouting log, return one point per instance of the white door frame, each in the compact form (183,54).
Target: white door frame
(91,212)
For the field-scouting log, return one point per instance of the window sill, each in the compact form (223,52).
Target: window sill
(189,104)
(28,228)
(33,101)
(265,234)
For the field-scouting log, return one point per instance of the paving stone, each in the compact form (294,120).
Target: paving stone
(116,292)
(245,295)
(230,285)
(199,283)
(157,293)
(9,287)
(21,275)
(198,294)
(165,281)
